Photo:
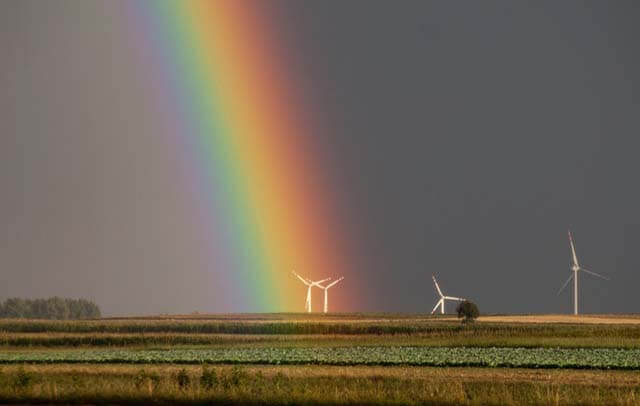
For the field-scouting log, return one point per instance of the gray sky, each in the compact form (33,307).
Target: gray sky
(465,137)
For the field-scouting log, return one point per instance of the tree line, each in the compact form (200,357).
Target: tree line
(52,308)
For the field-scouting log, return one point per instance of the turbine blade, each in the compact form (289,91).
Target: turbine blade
(436,307)
(317,283)
(594,274)
(573,249)
(334,282)
(437,287)
(454,298)
(566,283)
(301,278)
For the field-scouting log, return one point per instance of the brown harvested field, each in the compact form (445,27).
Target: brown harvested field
(320,385)
(512,375)
(387,318)
(563,318)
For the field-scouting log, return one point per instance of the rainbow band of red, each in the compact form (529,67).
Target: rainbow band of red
(236,107)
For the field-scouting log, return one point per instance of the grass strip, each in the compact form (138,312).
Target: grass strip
(286,385)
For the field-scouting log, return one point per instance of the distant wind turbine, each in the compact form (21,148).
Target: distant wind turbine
(575,267)
(310,284)
(443,298)
(326,293)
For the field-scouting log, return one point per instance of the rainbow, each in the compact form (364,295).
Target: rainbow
(267,205)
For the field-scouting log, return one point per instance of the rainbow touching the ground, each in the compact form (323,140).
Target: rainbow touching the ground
(269,206)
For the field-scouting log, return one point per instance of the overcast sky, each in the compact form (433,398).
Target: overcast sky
(465,138)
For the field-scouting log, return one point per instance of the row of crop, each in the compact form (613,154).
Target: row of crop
(484,339)
(219,327)
(423,356)
(119,340)
(406,327)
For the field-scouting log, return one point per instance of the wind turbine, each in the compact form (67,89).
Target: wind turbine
(443,298)
(310,284)
(326,295)
(575,267)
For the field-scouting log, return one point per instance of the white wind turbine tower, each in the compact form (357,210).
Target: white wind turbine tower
(310,284)
(575,267)
(326,293)
(443,298)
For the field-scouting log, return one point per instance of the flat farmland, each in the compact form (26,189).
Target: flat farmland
(564,318)
(323,359)
(302,330)
(328,385)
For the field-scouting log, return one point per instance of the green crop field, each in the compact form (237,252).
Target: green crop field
(317,359)
(578,358)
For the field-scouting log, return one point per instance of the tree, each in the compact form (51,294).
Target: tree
(39,309)
(58,308)
(15,307)
(52,308)
(468,311)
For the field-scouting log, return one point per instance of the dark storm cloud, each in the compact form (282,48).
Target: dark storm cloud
(466,138)
(471,135)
